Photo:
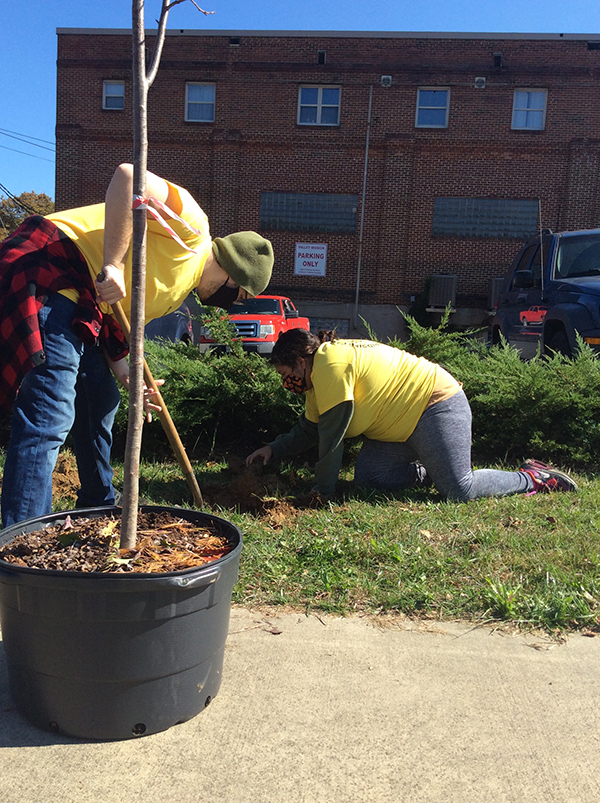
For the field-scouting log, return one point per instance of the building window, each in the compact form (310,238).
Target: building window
(200,103)
(306,211)
(319,105)
(484,217)
(113,95)
(432,108)
(529,109)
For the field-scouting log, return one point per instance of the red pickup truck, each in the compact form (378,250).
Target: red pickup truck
(534,316)
(259,322)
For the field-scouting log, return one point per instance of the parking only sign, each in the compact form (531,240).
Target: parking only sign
(310,259)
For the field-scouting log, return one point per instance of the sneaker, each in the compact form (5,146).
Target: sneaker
(546,478)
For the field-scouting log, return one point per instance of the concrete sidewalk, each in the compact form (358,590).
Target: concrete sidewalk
(328,710)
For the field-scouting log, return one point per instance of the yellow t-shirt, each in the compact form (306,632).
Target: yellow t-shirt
(390,387)
(171,271)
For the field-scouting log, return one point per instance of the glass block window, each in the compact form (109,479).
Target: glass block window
(433,106)
(529,109)
(113,95)
(319,105)
(485,217)
(200,103)
(303,211)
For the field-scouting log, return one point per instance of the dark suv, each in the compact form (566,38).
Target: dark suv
(551,292)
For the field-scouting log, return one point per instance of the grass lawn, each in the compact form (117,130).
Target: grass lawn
(532,560)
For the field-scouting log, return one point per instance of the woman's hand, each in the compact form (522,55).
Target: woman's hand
(149,402)
(265,453)
(149,406)
(120,369)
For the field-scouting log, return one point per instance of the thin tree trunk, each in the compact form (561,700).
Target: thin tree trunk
(142,81)
(138,284)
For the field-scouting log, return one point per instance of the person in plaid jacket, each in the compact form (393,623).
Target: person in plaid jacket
(60,346)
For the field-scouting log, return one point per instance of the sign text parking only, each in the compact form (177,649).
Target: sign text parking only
(310,259)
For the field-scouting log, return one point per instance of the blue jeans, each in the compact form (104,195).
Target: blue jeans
(73,390)
(439,450)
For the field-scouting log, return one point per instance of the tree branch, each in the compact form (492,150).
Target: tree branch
(159,42)
(160,36)
(206,13)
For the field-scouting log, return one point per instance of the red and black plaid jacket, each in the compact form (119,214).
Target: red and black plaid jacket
(38,259)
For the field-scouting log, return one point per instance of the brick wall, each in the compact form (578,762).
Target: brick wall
(255,144)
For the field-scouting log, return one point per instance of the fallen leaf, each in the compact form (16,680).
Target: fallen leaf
(109,529)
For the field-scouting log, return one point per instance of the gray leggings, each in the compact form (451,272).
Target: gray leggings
(439,450)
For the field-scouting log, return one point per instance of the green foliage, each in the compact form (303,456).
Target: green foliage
(503,599)
(14,211)
(215,399)
(561,607)
(548,408)
(440,345)
(222,330)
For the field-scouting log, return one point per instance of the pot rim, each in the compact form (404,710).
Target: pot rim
(178,577)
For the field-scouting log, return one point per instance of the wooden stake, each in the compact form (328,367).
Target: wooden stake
(165,417)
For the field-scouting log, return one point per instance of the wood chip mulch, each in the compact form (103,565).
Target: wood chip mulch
(165,543)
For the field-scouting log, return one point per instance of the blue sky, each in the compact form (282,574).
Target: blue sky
(28,47)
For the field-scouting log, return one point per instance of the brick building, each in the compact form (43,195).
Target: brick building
(408,155)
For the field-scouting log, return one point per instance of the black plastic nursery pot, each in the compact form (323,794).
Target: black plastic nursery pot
(115,656)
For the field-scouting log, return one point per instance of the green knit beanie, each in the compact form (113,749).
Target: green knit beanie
(247,258)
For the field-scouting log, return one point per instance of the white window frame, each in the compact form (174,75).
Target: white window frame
(526,109)
(445,89)
(189,102)
(105,95)
(320,105)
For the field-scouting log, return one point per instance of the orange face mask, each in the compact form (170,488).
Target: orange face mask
(297,384)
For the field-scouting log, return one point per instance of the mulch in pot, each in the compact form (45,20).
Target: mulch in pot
(165,543)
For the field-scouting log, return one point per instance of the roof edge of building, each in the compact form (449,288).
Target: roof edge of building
(339,34)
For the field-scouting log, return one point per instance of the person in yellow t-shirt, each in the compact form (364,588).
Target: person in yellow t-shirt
(413,415)
(59,276)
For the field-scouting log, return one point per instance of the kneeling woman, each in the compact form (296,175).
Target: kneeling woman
(413,415)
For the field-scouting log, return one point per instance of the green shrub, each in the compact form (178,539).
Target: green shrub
(215,400)
(544,408)
(222,329)
(547,408)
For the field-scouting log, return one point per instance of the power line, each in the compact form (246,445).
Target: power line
(33,156)
(25,207)
(18,133)
(26,140)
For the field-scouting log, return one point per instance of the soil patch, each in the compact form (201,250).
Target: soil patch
(248,494)
(251,494)
(250,491)
(65,479)
(278,512)
(166,543)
